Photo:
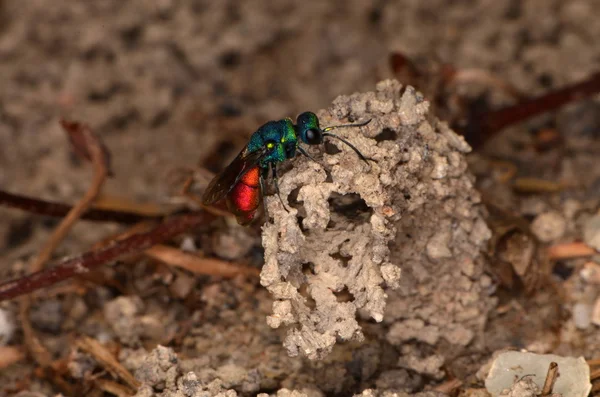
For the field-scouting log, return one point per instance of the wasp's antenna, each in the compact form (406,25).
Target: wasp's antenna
(305,154)
(346,125)
(363,158)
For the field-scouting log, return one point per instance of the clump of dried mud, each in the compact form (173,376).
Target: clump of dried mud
(409,221)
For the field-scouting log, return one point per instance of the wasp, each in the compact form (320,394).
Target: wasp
(242,182)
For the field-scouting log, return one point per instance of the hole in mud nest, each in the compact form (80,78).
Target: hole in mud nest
(256,256)
(344,259)
(330,148)
(300,220)
(310,302)
(293,197)
(386,135)
(351,205)
(308,269)
(344,295)
(328,177)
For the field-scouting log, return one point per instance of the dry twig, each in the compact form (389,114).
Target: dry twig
(107,360)
(481,127)
(449,386)
(551,377)
(134,244)
(59,210)
(98,157)
(537,186)
(92,148)
(569,251)
(196,264)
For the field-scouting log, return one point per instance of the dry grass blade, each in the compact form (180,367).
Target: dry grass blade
(107,360)
(60,210)
(449,386)
(10,355)
(196,264)
(98,157)
(122,204)
(33,344)
(535,185)
(86,145)
(95,151)
(481,127)
(570,250)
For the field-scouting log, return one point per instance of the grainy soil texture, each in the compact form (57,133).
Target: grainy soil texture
(402,273)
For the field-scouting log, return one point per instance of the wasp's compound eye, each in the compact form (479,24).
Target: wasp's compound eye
(314,136)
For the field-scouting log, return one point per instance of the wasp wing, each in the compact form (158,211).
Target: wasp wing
(222,184)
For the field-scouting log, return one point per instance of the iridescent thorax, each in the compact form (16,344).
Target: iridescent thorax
(242,181)
(278,137)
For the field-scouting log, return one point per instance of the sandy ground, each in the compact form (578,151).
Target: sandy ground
(180,83)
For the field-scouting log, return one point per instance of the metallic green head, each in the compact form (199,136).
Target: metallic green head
(308,129)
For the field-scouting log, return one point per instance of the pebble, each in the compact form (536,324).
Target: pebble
(591,232)
(582,315)
(549,226)
(7,327)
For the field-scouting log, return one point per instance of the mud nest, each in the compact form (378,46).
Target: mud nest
(354,229)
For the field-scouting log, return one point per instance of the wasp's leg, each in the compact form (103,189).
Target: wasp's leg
(276,183)
(305,153)
(264,174)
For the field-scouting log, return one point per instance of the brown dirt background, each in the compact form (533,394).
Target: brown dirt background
(176,83)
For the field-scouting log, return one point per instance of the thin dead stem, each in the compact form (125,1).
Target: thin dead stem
(105,358)
(551,377)
(134,244)
(196,264)
(570,250)
(98,158)
(59,210)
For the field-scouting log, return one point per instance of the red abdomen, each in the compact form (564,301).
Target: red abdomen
(244,198)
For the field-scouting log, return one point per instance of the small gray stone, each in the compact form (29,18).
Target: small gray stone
(574,379)
(549,226)
(591,232)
